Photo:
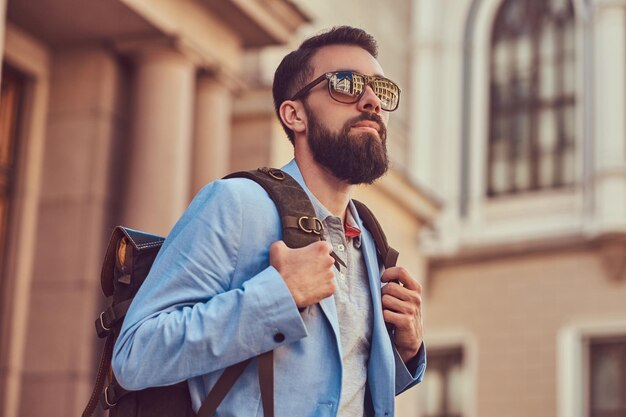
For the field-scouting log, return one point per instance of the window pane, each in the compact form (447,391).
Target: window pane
(456,382)
(568,151)
(546,169)
(569,40)
(500,164)
(559,7)
(569,78)
(534,78)
(514,14)
(547,146)
(608,376)
(547,130)
(433,387)
(501,62)
(569,165)
(524,58)
(569,59)
(548,79)
(444,383)
(522,152)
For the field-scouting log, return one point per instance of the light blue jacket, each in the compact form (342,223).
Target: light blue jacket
(212,300)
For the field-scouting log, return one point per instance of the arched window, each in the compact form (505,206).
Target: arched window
(532,97)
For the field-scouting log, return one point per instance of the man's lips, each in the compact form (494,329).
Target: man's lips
(367,124)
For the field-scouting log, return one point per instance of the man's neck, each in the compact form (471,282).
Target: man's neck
(331,192)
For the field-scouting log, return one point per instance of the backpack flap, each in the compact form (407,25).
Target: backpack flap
(128,259)
(124,246)
(110,257)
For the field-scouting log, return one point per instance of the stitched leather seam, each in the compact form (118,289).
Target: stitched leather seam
(145,245)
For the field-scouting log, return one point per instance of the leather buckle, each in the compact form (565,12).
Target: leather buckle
(277,174)
(317,221)
(105,328)
(101,329)
(106,398)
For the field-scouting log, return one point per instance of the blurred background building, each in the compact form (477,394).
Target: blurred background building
(507,195)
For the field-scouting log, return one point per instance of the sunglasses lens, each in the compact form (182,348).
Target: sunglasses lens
(347,87)
(388,93)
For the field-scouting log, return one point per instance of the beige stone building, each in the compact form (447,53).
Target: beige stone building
(519,127)
(507,195)
(118,111)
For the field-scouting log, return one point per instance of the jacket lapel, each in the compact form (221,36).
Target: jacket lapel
(381,369)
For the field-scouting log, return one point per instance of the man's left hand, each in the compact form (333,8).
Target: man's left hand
(402,307)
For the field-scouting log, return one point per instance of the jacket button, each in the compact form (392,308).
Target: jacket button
(279,338)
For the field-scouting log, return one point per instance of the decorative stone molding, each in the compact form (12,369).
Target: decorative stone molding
(261,23)
(206,64)
(612,251)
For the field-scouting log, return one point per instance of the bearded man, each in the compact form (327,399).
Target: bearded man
(225,288)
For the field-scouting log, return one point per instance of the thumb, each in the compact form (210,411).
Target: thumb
(321,247)
(277,247)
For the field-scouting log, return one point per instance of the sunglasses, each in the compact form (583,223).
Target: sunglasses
(349,86)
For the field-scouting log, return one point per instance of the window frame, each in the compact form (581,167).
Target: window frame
(573,364)
(442,360)
(603,343)
(532,106)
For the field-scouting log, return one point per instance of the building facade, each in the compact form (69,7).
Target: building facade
(117,112)
(520,129)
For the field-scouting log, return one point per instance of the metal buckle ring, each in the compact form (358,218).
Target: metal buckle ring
(315,231)
(106,329)
(276,174)
(106,398)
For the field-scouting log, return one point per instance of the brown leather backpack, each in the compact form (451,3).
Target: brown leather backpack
(128,260)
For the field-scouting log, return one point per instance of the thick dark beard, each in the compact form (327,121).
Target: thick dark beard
(359,158)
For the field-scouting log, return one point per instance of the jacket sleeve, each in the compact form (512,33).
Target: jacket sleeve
(211,299)
(409,375)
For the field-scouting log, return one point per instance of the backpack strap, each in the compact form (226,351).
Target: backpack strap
(388,254)
(300,225)
(103,368)
(265,362)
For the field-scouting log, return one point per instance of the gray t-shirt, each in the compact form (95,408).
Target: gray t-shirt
(354,310)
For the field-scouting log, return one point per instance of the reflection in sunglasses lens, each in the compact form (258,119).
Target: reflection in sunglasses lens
(348,86)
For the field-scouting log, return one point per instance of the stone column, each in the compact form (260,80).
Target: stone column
(76,206)
(159,163)
(423,99)
(609,123)
(212,136)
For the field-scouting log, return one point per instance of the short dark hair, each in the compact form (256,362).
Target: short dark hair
(295,69)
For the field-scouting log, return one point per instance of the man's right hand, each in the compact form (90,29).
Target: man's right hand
(308,271)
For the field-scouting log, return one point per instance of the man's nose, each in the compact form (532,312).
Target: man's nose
(369,102)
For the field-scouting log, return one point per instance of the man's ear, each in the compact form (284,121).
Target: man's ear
(293,116)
